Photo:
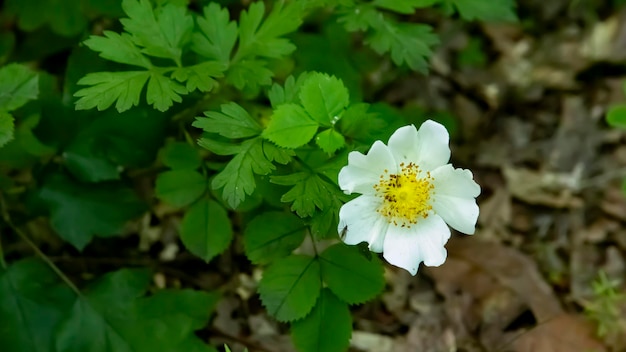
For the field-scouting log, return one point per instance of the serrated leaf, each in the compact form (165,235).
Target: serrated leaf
(261,38)
(206,230)
(7,127)
(200,76)
(616,116)
(161,33)
(180,155)
(32,302)
(350,275)
(218,34)
(272,235)
(237,178)
(309,191)
(18,85)
(359,124)
(180,187)
(330,140)
(80,212)
(119,48)
(289,93)
(250,73)
(324,97)
(106,88)
(233,122)
(316,333)
(408,42)
(503,10)
(290,126)
(163,92)
(290,287)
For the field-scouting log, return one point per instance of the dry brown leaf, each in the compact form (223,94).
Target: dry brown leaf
(563,333)
(542,188)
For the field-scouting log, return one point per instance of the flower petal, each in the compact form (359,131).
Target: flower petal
(363,222)
(455,182)
(427,147)
(454,195)
(407,247)
(363,171)
(460,213)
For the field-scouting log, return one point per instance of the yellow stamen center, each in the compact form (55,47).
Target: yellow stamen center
(406,195)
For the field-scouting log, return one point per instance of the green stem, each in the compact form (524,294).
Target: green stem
(40,254)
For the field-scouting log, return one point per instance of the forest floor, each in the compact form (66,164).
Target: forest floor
(530,100)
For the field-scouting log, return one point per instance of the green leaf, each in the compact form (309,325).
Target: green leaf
(7,128)
(350,275)
(359,124)
(200,76)
(180,187)
(290,126)
(408,43)
(261,38)
(330,140)
(119,48)
(326,329)
(254,156)
(249,73)
(290,287)
(163,92)
(324,97)
(32,303)
(616,116)
(18,85)
(114,315)
(289,93)
(63,17)
(272,235)
(205,229)
(309,191)
(406,7)
(180,155)
(161,33)
(218,34)
(81,158)
(233,122)
(80,212)
(503,10)
(109,87)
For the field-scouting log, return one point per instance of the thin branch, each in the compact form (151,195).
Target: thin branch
(40,254)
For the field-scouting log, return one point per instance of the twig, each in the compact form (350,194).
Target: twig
(40,254)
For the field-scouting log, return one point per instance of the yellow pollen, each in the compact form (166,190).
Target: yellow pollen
(406,195)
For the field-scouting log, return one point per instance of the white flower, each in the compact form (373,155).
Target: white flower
(408,194)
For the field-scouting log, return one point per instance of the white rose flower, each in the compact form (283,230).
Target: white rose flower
(409,192)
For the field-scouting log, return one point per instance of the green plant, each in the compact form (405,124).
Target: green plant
(272,135)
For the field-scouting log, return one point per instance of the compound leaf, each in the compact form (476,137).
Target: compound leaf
(163,92)
(233,122)
(309,191)
(218,34)
(119,48)
(200,76)
(121,88)
(503,10)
